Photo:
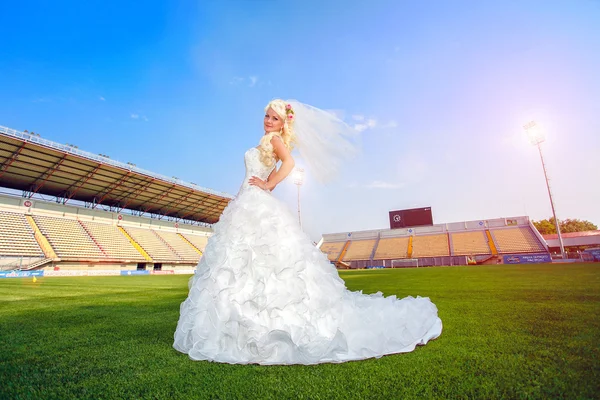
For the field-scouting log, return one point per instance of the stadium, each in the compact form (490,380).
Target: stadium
(85,232)
(85,214)
(451,251)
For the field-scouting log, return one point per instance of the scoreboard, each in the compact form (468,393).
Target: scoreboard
(410,218)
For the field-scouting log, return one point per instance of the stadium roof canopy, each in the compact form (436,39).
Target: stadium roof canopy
(587,238)
(39,166)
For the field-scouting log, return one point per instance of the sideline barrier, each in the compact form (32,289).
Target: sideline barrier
(160,272)
(595,253)
(189,271)
(527,258)
(135,272)
(73,272)
(20,274)
(105,272)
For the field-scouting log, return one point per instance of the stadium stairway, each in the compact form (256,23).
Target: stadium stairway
(343,252)
(85,228)
(372,256)
(135,244)
(486,259)
(190,243)
(41,239)
(491,242)
(450,244)
(37,264)
(410,246)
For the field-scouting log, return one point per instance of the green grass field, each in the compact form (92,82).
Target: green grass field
(509,332)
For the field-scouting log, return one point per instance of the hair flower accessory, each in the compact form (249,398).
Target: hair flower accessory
(289,112)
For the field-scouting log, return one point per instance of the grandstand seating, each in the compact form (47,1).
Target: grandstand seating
(430,246)
(16,236)
(392,248)
(332,249)
(112,241)
(155,246)
(359,250)
(74,239)
(516,240)
(199,241)
(470,243)
(179,245)
(68,238)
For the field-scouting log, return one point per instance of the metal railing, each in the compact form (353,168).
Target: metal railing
(103,160)
(9,263)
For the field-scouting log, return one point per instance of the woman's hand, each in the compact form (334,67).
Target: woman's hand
(258,182)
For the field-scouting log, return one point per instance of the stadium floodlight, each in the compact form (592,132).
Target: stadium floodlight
(536,136)
(298,179)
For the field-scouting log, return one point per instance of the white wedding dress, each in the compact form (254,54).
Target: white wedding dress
(264,294)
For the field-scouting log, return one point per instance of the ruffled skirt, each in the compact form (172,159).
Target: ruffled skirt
(264,294)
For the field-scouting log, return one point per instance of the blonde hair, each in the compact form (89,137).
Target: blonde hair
(287,134)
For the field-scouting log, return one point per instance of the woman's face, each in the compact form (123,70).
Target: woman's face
(273,122)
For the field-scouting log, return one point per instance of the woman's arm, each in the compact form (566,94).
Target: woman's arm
(276,176)
(287,164)
(271,174)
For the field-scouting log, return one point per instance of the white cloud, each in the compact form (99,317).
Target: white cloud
(102,98)
(252,81)
(383,185)
(138,116)
(368,124)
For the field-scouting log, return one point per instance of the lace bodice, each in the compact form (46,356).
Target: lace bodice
(254,167)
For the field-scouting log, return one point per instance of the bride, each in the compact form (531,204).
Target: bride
(264,294)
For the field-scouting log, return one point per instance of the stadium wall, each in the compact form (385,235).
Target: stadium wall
(102,268)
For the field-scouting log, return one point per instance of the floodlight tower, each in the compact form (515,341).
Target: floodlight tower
(298,177)
(536,137)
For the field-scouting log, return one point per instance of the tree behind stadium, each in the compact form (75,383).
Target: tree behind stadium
(546,226)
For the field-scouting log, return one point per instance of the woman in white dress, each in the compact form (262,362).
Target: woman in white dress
(264,294)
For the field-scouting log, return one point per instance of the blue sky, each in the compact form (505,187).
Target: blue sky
(443,87)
